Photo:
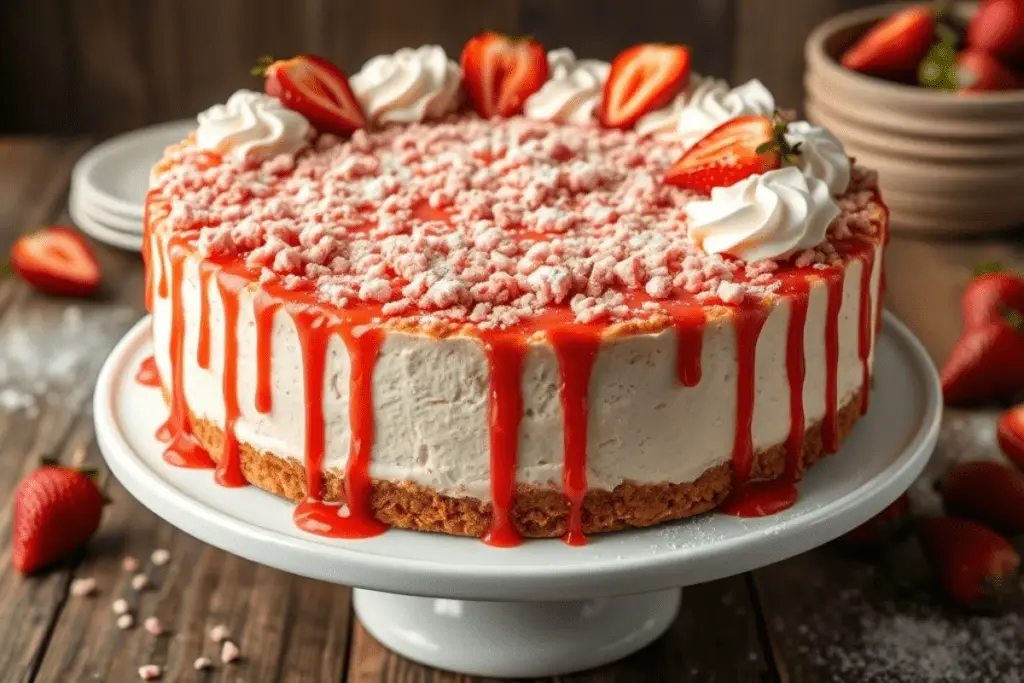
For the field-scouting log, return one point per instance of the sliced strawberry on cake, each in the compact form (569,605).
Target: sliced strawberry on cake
(317,89)
(56,260)
(499,72)
(643,78)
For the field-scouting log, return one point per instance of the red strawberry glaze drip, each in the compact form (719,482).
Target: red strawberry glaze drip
(505,356)
(795,372)
(830,422)
(203,344)
(147,255)
(183,449)
(864,328)
(265,308)
(576,349)
(690,339)
(749,323)
(147,374)
(229,468)
(761,498)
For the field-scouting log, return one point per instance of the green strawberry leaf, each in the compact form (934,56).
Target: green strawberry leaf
(1014,319)
(988,267)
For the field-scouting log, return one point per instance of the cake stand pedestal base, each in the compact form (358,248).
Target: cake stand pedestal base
(516,639)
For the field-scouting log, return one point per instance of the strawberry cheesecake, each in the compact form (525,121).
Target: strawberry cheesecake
(519,295)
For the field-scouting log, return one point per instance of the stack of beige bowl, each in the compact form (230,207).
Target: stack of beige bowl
(948,162)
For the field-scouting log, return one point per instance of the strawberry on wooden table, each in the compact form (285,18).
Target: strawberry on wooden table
(989,492)
(499,72)
(1010,434)
(642,79)
(737,149)
(315,88)
(998,29)
(56,260)
(894,47)
(977,567)
(56,511)
(883,527)
(978,71)
(990,295)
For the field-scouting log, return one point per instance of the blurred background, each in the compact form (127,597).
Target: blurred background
(106,66)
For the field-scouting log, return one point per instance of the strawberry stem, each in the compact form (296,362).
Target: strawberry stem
(1015,319)
(779,143)
(6,269)
(987,267)
(260,68)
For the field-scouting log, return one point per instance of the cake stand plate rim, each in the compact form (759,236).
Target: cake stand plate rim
(621,563)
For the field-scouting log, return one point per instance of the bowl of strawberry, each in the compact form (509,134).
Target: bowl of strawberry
(932,96)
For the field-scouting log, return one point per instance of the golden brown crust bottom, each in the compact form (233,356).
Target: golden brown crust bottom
(540,512)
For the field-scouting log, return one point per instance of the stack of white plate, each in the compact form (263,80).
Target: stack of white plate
(109,183)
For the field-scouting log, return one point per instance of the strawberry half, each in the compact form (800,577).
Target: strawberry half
(1010,434)
(894,47)
(990,295)
(318,90)
(737,149)
(56,511)
(989,492)
(56,260)
(643,78)
(976,566)
(977,71)
(986,362)
(998,29)
(500,72)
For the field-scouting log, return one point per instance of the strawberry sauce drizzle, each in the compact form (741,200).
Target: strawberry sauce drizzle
(147,374)
(183,450)
(748,329)
(690,340)
(505,356)
(203,344)
(265,308)
(229,467)
(864,328)
(576,348)
(796,372)
(830,422)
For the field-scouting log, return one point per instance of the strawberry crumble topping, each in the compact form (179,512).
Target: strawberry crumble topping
(470,221)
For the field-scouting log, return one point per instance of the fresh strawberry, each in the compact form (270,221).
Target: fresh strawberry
(977,71)
(881,528)
(989,492)
(737,149)
(976,566)
(986,362)
(894,47)
(499,72)
(1010,434)
(317,89)
(998,29)
(56,260)
(643,78)
(56,511)
(991,295)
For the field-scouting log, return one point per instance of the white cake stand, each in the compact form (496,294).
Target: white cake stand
(543,608)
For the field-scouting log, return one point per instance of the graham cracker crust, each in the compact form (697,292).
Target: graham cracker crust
(540,512)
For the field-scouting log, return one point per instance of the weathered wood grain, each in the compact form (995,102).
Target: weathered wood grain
(714,640)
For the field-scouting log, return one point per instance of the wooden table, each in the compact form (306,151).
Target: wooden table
(820,617)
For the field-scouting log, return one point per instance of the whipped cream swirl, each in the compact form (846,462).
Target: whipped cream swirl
(410,85)
(821,156)
(707,104)
(772,215)
(253,126)
(665,121)
(572,91)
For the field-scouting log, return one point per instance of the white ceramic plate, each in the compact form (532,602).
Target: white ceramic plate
(880,459)
(103,233)
(128,225)
(115,173)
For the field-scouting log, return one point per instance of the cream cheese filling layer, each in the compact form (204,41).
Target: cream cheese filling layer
(430,395)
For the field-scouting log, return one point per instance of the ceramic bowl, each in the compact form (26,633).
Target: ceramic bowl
(949,163)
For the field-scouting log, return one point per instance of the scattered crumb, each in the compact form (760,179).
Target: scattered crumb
(202,664)
(150,672)
(125,621)
(153,626)
(160,557)
(229,653)
(140,582)
(219,633)
(81,588)
(130,564)
(120,606)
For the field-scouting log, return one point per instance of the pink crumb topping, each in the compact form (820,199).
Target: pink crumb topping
(470,221)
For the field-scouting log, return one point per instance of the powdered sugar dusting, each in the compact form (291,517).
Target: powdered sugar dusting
(491,223)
